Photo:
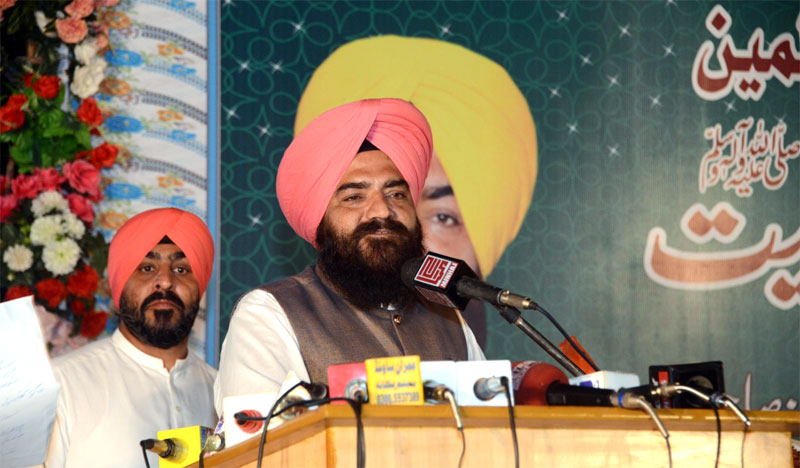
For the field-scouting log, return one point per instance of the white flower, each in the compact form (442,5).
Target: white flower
(18,257)
(46,229)
(86,50)
(86,79)
(47,202)
(41,21)
(61,256)
(74,226)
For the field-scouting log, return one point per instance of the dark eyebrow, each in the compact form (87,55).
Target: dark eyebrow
(396,183)
(363,185)
(156,256)
(438,192)
(352,185)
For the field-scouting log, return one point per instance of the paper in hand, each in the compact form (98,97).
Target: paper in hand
(28,389)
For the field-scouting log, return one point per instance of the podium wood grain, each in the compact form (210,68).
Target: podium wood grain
(426,436)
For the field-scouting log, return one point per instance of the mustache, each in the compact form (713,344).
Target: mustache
(375,225)
(163,295)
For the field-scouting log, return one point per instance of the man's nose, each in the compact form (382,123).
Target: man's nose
(378,208)
(165,279)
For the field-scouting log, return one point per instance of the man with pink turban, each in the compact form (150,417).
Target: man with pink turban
(123,389)
(348,184)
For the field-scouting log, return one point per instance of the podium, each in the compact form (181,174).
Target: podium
(426,436)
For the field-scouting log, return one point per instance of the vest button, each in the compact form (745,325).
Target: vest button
(397,318)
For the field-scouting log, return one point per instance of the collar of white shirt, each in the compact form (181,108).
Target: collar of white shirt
(139,356)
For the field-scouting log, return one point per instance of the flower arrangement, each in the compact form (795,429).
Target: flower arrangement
(52,152)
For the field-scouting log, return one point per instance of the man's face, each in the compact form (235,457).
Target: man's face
(441,218)
(160,300)
(371,188)
(368,232)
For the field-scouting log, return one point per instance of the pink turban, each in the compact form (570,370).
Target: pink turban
(142,232)
(319,156)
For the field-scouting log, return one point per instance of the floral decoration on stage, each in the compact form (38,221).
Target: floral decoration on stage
(53,154)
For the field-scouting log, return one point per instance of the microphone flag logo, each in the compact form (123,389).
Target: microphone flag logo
(436,271)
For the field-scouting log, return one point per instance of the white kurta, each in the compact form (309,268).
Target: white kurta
(113,395)
(261,348)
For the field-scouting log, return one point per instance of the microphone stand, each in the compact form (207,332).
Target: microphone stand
(514,317)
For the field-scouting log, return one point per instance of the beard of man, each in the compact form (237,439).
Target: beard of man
(162,334)
(367,273)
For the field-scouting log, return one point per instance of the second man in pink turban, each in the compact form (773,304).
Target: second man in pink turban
(143,379)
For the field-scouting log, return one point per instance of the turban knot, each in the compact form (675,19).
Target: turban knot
(142,232)
(319,156)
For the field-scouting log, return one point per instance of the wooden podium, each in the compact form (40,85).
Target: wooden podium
(425,436)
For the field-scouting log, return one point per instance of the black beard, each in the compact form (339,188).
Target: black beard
(162,334)
(370,278)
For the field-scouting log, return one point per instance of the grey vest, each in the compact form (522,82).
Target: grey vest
(330,331)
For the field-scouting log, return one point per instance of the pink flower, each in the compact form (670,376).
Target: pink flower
(6,4)
(102,39)
(110,3)
(7,204)
(49,179)
(80,8)
(71,30)
(25,186)
(82,208)
(83,177)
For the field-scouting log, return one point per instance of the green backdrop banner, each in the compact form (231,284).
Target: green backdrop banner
(664,225)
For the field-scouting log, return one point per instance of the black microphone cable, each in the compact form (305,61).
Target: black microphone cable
(266,420)
(719,431)
(512,422)
(144,454)
(566,335)
(354,404)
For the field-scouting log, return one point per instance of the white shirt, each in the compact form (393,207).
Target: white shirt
(261,348)
(113,395)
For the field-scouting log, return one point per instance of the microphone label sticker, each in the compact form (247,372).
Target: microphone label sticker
(436,271)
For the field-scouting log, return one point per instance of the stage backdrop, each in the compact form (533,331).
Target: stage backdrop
(665,221)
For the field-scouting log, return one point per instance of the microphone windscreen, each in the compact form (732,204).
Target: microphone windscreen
(409,271)
(531,379)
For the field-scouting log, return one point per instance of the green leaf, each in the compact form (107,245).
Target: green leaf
(56,131)
(83,138)
(98,251)
(51,118)
(10,235)
(23,157)
(23,139)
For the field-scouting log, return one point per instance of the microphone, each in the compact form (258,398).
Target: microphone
(249,426)
(304,392)
(531,380)
(356,389)
(171,449)
(486,388)
(434,391)
(451,282)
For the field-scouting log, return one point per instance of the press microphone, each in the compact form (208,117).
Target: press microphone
(305,392)
(451,282)
(171,449)
(247,425)
(434,391)
(356,389)
(531,380)
(486,388)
